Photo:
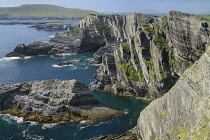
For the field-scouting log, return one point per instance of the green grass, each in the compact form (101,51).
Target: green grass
(43,11)
(131,73)
(204,17)
(207,16)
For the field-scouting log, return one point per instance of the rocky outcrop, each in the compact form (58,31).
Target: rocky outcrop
(129,135)
(150,53)
(68,62)
(73,41)
(184,112)
(139,55)
(48,26)
(52,101)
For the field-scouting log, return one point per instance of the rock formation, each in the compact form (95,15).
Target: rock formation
(48,26)
(52,101)
(149,53)
(139,55)
(129,135)
(184,112)
(73,41)
(68,62)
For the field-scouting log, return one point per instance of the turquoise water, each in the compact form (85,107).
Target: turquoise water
(43,68)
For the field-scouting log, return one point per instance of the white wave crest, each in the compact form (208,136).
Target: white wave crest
(15,58)
(66,54)
(57,66)
(49,125)
(9,118)
(51,36)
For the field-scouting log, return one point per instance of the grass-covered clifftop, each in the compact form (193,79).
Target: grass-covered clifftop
(41,11)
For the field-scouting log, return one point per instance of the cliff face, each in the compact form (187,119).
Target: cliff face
(148,54)
(184,112)
(139,54)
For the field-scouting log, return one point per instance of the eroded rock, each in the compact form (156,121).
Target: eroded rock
(52,101)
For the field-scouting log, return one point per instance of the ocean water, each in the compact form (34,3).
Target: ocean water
(15,70)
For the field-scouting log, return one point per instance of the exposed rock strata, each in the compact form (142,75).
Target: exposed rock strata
(184,112)
(139,54)
(129,135)
(73,41)
(52,101)
(150,53)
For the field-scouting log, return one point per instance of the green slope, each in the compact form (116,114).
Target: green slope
(207,16)
(43,11)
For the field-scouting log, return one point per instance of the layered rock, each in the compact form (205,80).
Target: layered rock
(184,112)
(129,135)
(139,54)
(52,101)
(150,53)
(73,41)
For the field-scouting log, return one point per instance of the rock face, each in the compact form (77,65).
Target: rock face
(149,54)
(52,101)
(129,135)
(184,112)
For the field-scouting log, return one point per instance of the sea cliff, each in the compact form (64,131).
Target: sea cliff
(184,112)
(139,55)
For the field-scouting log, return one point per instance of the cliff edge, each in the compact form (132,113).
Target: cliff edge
(184,112)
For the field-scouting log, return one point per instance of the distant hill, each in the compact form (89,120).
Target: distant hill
(207,16)
(42,11)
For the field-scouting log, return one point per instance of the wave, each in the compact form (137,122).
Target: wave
(57,66)
(51,36)
(10,118)
(15,58)
(32,137)
(49,125)
(66,54)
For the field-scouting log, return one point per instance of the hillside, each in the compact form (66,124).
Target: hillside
(207,16)
(42,11)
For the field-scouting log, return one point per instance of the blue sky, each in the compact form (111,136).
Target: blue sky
(122,6)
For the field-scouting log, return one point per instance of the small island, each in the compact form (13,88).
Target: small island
(47,26)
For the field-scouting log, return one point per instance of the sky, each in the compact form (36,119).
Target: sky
(123,6)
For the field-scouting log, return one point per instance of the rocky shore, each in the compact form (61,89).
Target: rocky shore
(138,54)
(148,56)
(52,101)
(129,135)
(68,62)
(47,26)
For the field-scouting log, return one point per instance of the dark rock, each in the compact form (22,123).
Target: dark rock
(49,26)
(68,62)
(52,101)
(67,42)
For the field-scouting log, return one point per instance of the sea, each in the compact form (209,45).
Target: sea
(15,70)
